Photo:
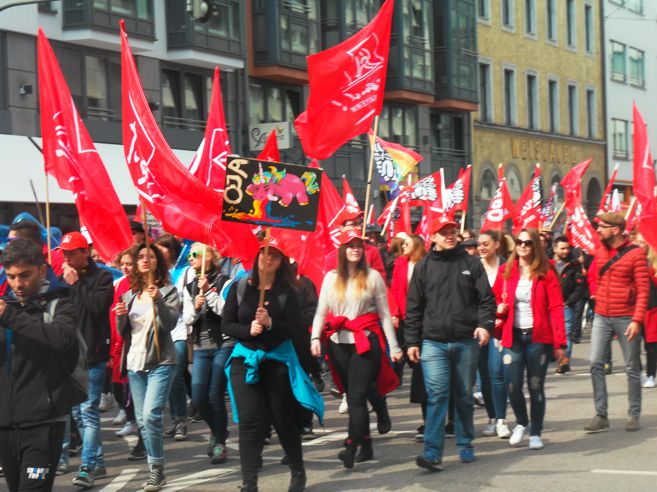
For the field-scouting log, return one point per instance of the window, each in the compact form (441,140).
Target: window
(398,123)
(571,32)
(270,103)
(136,9)
(589,36)
(532,102)
(553,106)
(617,61)
(96,86)
(590,113)
(573,113)
(447,133)
(483,9)
(509,97)
(184,97)
(485,103)
(418,54)
(619,137)
(507,14)
(530,17)
(299,26)
(636,57)
(225,23)
(551,20)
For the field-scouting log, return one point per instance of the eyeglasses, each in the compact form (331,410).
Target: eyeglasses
(194,254)
(527,244)
(605,226)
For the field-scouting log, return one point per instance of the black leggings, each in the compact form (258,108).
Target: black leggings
(270,398)
(651,358)
(357,371)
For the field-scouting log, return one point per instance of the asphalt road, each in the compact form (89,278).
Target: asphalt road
(571,459)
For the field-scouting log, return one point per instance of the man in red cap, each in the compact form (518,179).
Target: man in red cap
(92,294)
(449,314)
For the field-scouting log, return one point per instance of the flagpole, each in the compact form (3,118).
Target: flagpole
(556,216)
(261,300)
(371,170)
(203,261)
(48,240)
(393,207)
(629,209)
(147,244)
(463,220)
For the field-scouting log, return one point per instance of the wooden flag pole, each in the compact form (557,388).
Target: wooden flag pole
(147,243)
(261,300)
(368,190)
(463,220)
(48,240)
(203,257)
(556,216)
(393,207)
(629,209)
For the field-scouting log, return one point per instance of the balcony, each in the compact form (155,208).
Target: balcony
(106,14)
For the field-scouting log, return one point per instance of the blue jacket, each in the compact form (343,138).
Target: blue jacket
(303,389)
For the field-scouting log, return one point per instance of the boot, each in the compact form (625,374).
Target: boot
(298,481)
(348,454)
(249,487)
(366,452)
(383,423)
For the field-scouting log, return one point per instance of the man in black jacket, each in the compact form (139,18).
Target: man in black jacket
(38,352)
(92,293)
(449,314)
(573,285)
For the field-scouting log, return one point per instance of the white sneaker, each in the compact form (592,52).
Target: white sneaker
(120,418)
(517,435)
(650,382)
(344,407)
(490,429)
(535,442)
(106,402)
(502,429)
(128,429)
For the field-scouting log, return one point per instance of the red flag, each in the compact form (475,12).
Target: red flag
(456,196)
(348,196)
(426,191)
(605,202)
(346,83)
(644,181)
(70,156)
(184,205)
(632,216)
(572,182)
(209,164)
(580,231)
(500,208)
(270,150)
(528,207)
(422,228)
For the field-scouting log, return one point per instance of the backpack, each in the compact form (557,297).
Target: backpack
(74,362)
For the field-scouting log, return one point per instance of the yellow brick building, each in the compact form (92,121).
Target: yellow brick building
(541,96)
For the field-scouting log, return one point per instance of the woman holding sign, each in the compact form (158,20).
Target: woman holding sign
(264,363)
(356,297)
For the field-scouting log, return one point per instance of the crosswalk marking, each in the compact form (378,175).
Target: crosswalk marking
(121,481)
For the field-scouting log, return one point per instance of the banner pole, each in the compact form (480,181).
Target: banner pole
(147,243)
(203,257)
(371,171)
(556,216)
(629,209)
(463,220)
(48,240)
(393,207)
(261,300)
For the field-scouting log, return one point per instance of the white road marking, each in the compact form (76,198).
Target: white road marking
(626,472)
(197,479)
(121,481)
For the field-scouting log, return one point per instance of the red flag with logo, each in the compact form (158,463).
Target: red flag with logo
(347,83)
(528,207)
(184,205)
(456,196)
(580,231)
(644,181)
(426,191)
(70,156)
(270,150)
(605,202)
(500,208)
(572,182)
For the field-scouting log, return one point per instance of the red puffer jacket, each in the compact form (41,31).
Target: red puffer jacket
(650,325)
(624,288)
(547,308)
(399,285)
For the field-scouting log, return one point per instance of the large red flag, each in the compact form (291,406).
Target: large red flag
(209,164)
(500,208)
(348,196)
(270,150)
(456,196)
(426,191)
(71,157)
(528,207)
(580,231)
(605,202)
(346,83)
(572,182)
(644,181)
(184,205)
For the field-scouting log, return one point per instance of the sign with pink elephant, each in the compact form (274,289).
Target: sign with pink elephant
(273,194)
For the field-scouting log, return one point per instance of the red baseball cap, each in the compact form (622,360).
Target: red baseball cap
(73,240)
(349,235)
(348,213)
(443,220)
(275,243)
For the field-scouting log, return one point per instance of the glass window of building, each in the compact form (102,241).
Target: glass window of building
(637,77)
(619,138)
(508,17)
(513,182)
(553,106)
(590,113)
(137,9)
(171,97)
(483,9)
(194,106)
(509,97)
(589,27)
(96,86)
(573,113)
(224,23)
(532,102)
(299,26)
(617,61)
(183,97)
(270,103)
(418,55)
(571,30)
(485,98)
(551,20)
(398,123)
(530,17)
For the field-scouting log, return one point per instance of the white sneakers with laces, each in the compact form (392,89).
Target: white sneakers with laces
(535,443)
(490,429)
(517,435)
(502,429)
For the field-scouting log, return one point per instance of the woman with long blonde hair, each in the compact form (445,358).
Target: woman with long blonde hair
(356,296)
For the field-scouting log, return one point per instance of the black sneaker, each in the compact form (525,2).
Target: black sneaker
(170,431)
(307,433)
(137,454)
(84,478)
(383,423)
(431,465)
(157,480)
(180,433)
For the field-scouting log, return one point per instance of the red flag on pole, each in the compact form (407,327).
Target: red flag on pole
(605,202)
(572,182)
(456,196)
(209,164)
(348,196)
(500,208)
(528,207)
(70,156)
(580,231)
(426,191)
(644,181)
(346,83)
(184,205)
(270,150)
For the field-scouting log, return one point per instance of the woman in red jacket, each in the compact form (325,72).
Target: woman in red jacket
(530,308)
(650,324)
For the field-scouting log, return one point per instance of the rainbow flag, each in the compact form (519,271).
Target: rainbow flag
(393,162)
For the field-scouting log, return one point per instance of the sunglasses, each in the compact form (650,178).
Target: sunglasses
(194,254)
(527,243)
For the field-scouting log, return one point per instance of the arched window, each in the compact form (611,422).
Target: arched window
(593,197)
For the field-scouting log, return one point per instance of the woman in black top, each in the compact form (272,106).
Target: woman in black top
(265,329)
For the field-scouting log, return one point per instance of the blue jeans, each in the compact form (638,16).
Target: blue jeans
(532,357)
(178,394)
(150,391)
(496,370)
(444,364)
(209,389)
(64,458)
(569,318)
(90,430)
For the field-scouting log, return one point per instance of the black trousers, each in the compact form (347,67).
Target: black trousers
(651,358)
(270,398)
(357,372)
(29,456)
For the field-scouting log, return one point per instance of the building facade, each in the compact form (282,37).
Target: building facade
(261,46)
(630,75)
(541,96)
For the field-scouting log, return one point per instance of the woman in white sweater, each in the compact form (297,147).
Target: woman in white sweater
(356,297)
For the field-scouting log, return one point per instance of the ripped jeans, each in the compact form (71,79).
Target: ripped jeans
(532,357)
